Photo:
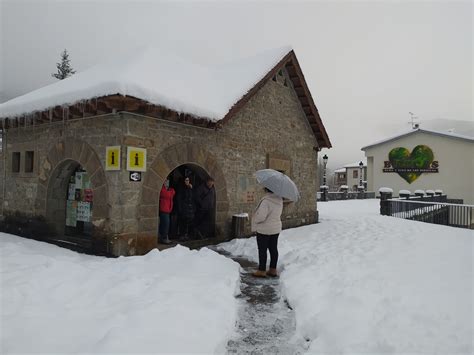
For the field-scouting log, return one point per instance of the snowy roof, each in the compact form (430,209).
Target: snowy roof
(413,131)
(342,170)
(158,77)
(356,164)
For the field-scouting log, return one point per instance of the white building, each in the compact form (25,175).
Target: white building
(350,175)
(423,160)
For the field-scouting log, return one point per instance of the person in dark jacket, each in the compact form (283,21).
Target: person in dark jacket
(166,206)
(205,198)
(186,209)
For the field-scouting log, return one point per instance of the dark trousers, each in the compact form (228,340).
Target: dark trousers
(269,242)
(203,223)
(164,225)
(185,225)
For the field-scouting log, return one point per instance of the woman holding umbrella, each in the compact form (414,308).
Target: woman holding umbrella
(266,219)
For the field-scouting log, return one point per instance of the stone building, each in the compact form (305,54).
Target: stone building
(70,147)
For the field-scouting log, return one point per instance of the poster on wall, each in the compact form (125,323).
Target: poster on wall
(88,195)
(410,165)
(78,180)
(83,211)
(71,216)
(71,193)
(86,181)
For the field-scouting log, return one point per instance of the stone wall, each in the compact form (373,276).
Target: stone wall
(271,130)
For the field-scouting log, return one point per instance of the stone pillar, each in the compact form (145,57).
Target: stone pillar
(344,189)
(404,194)
(419,193)
(324,192)
(385,195)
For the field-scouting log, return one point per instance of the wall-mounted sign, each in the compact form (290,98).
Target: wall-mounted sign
(135,176)
(136,159)
(112,158)
(411,165)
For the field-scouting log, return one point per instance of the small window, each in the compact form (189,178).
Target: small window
(15,162)
(355,174)
(29,161)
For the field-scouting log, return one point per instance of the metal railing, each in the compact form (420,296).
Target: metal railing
(445,213)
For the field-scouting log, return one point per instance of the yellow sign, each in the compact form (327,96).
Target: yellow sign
(136,159)
(112,158)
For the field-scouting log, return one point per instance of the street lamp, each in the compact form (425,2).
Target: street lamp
(361,186)
(324,188)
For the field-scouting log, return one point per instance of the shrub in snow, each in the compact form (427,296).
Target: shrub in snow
(419,193)
(438,192)
(386,190)
(430,192)
(324,187)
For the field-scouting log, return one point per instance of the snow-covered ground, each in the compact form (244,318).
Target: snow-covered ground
(364,283)
(358,283)
(55,301)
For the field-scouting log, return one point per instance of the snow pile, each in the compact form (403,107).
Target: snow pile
(364,283)
(159,77)
(58,301)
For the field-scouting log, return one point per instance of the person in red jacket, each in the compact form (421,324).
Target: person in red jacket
(166,206)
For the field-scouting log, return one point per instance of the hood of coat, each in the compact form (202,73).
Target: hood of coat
(271,197)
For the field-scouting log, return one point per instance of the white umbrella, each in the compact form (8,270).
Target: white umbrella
(278,183)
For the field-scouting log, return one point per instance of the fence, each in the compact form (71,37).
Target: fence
(445,213)
(336,196)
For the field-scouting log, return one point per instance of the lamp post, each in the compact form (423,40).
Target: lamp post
(324,188)
(361,186)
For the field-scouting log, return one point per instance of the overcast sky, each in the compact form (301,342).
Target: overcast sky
(367,63)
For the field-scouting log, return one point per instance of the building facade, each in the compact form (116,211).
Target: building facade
(350,175)
(423,160)
(73,167)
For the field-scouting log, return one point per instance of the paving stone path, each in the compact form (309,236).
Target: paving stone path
(266,322)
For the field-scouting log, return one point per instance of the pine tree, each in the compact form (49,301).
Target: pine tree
(64,68)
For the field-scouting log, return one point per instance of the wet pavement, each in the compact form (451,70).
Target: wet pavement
(266,322)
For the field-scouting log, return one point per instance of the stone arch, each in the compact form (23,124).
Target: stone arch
(55,169)
(168,160)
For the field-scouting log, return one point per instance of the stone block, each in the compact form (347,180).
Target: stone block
(152,180)
(145,243)
(130,226)
(148,225)
(161,168)
(100,195)
(98,178)
(149,197)
(77,150)
(148,212)
(100,211)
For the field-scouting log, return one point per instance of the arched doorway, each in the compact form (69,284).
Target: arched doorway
(182,226)
(70,200)
(188,154)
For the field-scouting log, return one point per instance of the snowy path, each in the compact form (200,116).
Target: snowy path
(266,323)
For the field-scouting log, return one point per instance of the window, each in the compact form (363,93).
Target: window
(29,161)
(15,162)
(355,174)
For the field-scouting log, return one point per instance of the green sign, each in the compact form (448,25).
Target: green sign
(411,165)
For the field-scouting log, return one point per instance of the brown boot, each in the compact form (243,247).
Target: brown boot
(272,272)
(259,273)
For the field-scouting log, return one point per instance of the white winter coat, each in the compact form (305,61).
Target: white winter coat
(266,218)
